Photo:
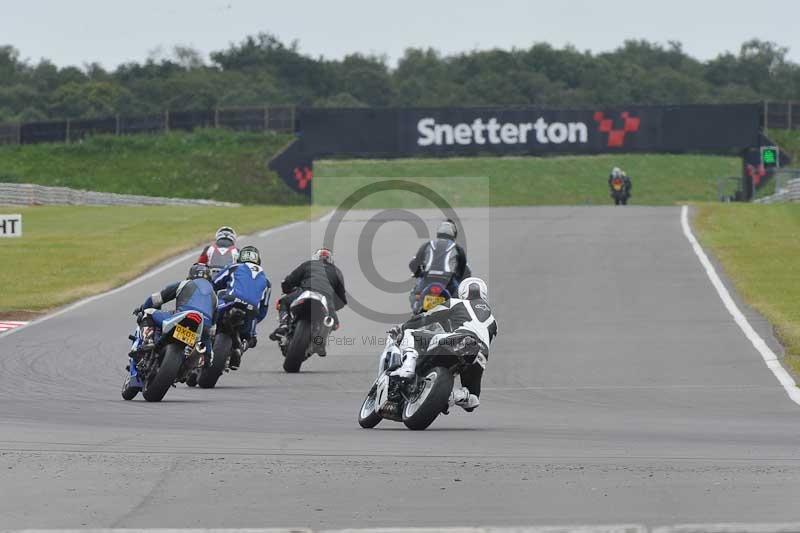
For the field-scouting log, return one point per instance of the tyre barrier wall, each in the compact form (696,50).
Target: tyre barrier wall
(443,132)
(29,194)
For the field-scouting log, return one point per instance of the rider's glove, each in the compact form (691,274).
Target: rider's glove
(251,342)
(138,310)
(396,332)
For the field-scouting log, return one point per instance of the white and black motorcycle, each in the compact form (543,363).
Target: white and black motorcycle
(418,401)
(310,323)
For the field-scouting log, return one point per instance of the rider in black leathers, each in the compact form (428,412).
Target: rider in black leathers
(319,275)
(436,255)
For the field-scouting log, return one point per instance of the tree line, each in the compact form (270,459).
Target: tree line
(263,70)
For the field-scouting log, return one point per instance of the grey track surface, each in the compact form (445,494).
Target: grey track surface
(618,391)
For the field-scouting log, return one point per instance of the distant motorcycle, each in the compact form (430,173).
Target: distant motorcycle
(419,401)
(161,358)
(231,316)
(619,191)
(310,323)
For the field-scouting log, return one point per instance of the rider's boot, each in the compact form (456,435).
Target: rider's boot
(283,328)
(409,367)
(236,357)
(464,399)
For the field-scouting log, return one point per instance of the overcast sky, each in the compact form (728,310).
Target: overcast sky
(115,31)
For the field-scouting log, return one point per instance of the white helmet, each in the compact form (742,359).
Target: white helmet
(472,288)
(226,232)
(616,172)
(447,230)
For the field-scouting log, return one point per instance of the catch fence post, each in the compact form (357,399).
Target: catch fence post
(166,120)
(67,133)
(216,117)
(117,125)
(789,115)
(766,115)
(266,118)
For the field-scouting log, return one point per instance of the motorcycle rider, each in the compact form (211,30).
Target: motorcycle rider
(467,317)
(195,293)
(437,255)
(245,280)
(320,275)
(222,252)
(627,185)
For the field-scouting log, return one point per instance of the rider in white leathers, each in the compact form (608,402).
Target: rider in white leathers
(468,316)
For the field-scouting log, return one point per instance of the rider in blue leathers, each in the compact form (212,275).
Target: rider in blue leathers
(246,281)
(195,293)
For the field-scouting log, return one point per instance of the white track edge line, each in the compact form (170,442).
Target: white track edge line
(158,270)
(770,359)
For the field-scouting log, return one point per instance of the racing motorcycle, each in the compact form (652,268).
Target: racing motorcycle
(310,323)
(158,359)
(430,291)
(231,316)
(418,401)
(619,192)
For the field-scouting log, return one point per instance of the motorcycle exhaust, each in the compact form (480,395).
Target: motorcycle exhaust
(328,321)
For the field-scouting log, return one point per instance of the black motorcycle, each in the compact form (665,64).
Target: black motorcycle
(232,314)
(310,323)
(619,191)
(160,358)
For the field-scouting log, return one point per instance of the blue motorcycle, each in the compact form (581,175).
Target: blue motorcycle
(162,357)
(232,314)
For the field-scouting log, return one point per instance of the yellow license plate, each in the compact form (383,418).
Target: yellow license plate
(185,335)
(430,301)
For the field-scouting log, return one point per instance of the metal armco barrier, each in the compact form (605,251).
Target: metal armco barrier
(789,193)
(29,194)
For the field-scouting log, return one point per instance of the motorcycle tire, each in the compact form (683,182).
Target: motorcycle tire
(210,374)
(156,387)
(191,379)
(298,344)
(367,417)
(422,410)
(128,392)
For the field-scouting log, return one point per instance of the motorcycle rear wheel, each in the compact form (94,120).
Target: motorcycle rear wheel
(157,386)
(209,375)
(367,417)
(420,412)
(296,351)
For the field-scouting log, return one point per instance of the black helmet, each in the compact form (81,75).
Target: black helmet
(250,254)
(199,270)
(447,230)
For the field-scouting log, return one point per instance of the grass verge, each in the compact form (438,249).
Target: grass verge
(67,253)
(214,163)
(658,179)
(759,249)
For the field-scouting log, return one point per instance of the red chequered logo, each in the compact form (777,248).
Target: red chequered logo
(616,136)
(303,177)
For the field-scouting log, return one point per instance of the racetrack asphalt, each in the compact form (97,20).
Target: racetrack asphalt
(619,390)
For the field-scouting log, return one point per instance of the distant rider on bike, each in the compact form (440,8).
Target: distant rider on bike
(627,185)
(442,254)
(319,275)
(467,321)
(245,280)
(222,252)
(195,293)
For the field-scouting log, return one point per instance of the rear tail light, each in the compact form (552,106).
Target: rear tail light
(195,317)
(436,290)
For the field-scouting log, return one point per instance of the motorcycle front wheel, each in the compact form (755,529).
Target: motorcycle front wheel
(156,387)
(209,375)
(431,398)
(367,417)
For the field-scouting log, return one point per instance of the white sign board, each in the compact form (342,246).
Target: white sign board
(10,226)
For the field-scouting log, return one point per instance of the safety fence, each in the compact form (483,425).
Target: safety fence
(787,187)
(781,115)
(279,119)
(30,194)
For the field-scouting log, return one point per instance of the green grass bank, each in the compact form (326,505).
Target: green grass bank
(71,252)
(213,164)
(759,249)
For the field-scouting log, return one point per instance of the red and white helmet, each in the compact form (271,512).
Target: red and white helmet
(324,255)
